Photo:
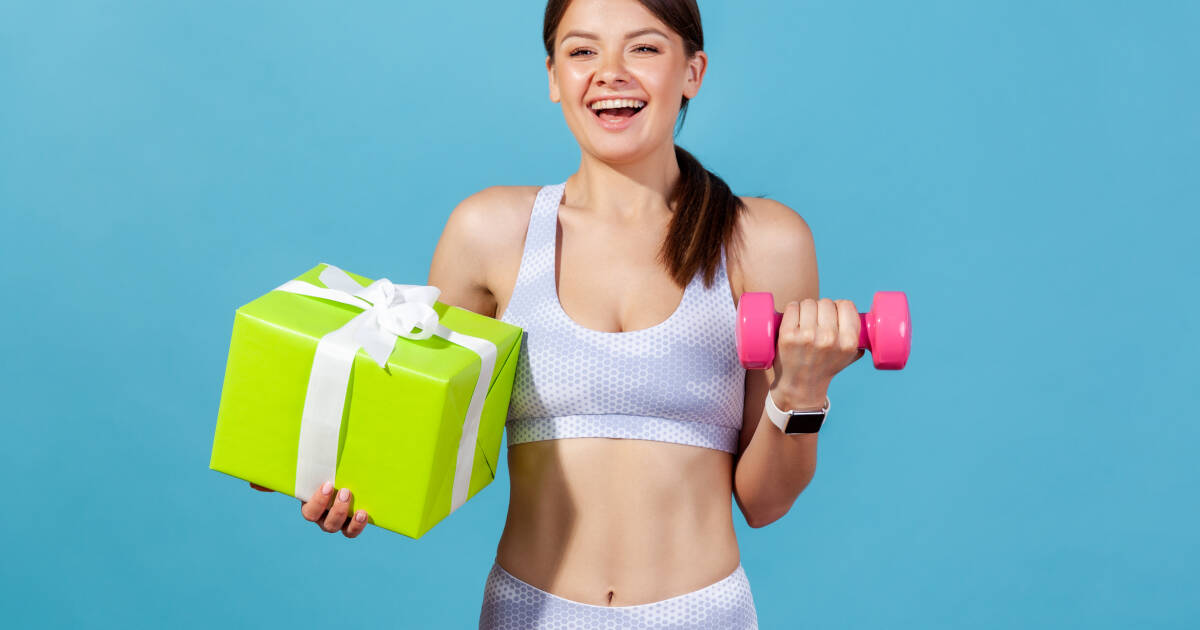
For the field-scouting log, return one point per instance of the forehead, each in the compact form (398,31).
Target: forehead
(609,19)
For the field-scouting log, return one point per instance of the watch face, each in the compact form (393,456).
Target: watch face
(805,423)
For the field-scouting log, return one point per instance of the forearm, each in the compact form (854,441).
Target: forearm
(776,467)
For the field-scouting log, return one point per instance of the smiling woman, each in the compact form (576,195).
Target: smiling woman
(632,422)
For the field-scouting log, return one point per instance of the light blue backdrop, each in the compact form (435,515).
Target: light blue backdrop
(1026,171)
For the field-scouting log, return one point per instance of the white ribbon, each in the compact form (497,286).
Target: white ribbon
(390,311)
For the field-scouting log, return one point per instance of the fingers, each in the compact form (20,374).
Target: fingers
(336,518)
(330,510)
(791,316)
(826,324)
(314,509)
(356,525)
(799,317)
(821,333)
(260,488)
(849,325)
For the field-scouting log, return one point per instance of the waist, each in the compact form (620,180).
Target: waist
(603,521)
(626,426)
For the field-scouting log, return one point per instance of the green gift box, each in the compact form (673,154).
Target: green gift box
(413,438)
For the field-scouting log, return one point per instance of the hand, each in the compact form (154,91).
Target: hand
(330,519)
(816,340)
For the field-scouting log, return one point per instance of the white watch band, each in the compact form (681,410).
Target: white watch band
(780,418)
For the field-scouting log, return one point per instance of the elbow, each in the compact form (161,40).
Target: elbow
(757,522)
(765,516)
(762,513)
(763,506)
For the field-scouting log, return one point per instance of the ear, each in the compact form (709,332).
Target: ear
(697,66)
(554,95)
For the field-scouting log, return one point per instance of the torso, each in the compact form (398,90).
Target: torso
(611,521)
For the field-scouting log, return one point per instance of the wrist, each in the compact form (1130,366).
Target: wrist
(794,419)
(798,399)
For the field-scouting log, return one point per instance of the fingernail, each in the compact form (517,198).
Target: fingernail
(327,488)
(344,494)
(361,517)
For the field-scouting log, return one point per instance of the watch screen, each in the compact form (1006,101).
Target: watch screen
(804,424)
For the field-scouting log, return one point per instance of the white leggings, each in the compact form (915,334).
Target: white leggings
(512,604)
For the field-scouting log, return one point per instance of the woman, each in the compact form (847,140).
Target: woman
(631,421)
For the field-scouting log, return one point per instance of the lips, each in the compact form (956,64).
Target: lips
(618,118)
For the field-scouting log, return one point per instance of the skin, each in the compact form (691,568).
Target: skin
(625,522)
(317,509)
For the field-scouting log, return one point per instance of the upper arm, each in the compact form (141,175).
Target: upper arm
(779,257)
(460,261)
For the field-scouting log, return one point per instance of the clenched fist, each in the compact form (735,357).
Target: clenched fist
(816,340)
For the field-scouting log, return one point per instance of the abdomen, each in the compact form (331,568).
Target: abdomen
(617,521)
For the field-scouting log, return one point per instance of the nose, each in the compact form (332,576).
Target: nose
(612,72)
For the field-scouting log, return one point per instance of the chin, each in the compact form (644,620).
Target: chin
(619,157)
(622,149)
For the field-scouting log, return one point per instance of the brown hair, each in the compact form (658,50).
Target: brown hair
(705,209)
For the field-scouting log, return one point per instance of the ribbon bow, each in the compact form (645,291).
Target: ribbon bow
(389,310)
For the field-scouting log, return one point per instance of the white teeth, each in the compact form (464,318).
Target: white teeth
(614,103)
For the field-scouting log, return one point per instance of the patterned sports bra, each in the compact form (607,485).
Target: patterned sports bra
(678,381)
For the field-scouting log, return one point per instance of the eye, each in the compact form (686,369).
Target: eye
(576,52)
(646,47)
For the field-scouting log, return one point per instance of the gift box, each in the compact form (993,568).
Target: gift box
(376,386)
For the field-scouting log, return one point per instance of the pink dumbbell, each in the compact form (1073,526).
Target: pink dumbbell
(886,330)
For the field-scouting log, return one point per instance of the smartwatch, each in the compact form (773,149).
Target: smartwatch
(793,422)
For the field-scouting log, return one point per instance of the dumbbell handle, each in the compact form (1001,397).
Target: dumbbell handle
(864,339)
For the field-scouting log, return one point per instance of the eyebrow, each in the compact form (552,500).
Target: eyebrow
(629,35)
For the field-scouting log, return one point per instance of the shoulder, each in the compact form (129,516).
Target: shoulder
(776,252)
(490,223)
(480,246)
(493,211)
(500,196)
(772,224)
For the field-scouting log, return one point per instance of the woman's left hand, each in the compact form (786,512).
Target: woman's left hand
(816,340)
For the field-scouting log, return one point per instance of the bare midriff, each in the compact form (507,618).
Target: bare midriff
(618,522)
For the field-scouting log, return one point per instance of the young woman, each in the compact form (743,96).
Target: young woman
(625,279)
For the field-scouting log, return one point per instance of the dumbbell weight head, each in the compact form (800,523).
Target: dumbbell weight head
(886,330)
(757,328)
(889,330)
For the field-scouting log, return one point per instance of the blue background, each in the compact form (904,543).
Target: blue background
(1026,171)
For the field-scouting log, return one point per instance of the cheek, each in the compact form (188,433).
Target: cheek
(573,82)
(666,96)
(663,83)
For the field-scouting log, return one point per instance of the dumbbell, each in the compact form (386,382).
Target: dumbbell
(886,330)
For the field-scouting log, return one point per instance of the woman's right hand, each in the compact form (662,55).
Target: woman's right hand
(330,519)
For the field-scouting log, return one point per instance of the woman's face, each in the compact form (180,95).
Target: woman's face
(616,49)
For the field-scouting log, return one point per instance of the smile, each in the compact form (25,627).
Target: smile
(615,114)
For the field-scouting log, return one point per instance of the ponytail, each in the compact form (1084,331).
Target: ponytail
(705,215)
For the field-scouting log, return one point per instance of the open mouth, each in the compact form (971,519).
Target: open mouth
(618,110)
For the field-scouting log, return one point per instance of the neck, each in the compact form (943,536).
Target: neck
(629,190)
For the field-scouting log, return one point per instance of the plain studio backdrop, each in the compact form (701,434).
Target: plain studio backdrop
(1026,171)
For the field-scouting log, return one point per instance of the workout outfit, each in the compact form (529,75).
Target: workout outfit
(510,604)
(678,381)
